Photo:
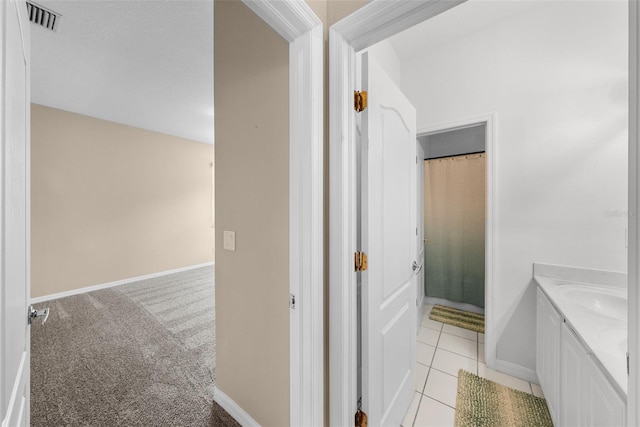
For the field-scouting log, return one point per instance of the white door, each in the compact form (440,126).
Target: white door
(14,182)
(389,240)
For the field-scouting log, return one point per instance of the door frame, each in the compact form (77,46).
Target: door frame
(368,25)
(299,25)
(633,264)
(489,120)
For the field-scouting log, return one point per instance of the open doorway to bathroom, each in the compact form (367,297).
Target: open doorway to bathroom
(453,217)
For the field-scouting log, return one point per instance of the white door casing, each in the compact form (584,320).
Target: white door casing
(388,238)
(633,269)
(420,274)
(14,231)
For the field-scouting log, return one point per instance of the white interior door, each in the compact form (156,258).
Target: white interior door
(14,232)
(389,240)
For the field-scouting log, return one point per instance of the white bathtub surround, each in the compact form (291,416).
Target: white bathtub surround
(582,344)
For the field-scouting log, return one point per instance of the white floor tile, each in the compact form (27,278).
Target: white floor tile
(481,352)
(480,337)
(450,363)
(460,332)
(428,307)
(424,353)
(434,414)
(504,379)
(421,376)
(431,324)
(442,387)
(411,412)
(537,390)
(459,345)
(428,336)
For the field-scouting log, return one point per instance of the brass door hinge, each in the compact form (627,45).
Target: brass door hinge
(360,100)
(361,419)
(360,261)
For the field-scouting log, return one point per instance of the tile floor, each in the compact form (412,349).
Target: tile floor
(441,351)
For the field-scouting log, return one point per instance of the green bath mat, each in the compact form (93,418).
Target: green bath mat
(481,402)
(455,317)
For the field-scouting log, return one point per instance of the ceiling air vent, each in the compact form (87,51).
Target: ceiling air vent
(42,16)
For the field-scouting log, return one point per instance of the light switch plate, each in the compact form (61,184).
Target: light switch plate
(229,240)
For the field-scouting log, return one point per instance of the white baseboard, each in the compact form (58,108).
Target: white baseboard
(239,414)
(116,283)
(459,305)
(517,371)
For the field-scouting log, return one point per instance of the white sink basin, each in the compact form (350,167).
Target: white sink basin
(606,302)
(614,338)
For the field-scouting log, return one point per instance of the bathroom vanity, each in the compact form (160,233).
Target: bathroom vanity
(581,344)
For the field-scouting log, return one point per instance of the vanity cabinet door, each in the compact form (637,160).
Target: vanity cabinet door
(573,378)
(548,338)
(603,406)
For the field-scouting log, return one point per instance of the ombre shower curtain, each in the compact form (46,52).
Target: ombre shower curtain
(454,228)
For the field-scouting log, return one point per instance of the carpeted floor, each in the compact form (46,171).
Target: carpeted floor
(484,403)
(137,354)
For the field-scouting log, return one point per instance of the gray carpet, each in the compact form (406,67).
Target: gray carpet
(137,354)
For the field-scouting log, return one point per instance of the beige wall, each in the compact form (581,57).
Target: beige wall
(110,201)
(252,199)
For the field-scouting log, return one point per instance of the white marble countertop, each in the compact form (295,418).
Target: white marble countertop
(597,312)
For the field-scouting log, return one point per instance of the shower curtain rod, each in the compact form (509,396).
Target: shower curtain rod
(455,155)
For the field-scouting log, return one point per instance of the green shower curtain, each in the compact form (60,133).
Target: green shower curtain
(454,225)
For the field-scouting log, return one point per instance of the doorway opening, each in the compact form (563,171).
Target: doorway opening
(542,170)
(126,233)
(452,217)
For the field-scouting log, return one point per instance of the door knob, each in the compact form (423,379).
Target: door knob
(417,267)
(33,313)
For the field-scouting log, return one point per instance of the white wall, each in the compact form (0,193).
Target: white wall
(384,54)
(557,81)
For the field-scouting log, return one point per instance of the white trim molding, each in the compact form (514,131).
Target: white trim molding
(342,233)
(306,234)
(633,273)
(517,371)
(370,24)
(295,21)
(289,18)
(379,20)
(235,410)
(116,283)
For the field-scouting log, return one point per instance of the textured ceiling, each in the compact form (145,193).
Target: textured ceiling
(147,64)
(461,21)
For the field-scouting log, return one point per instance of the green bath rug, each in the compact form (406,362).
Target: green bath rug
(453,316)
(481,402)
